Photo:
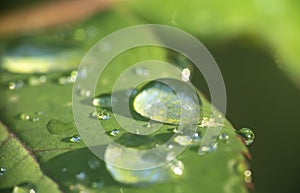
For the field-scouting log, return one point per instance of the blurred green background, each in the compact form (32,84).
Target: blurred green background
(256,46)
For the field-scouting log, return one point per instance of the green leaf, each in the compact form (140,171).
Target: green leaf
(271,23)
(36,147)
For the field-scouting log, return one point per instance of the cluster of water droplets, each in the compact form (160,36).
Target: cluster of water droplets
(31,81)
(34,117)
(71,78)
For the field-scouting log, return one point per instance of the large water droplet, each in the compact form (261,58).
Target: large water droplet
(24,188)
(164,100)
(247,135)
(2,171)
(56,126)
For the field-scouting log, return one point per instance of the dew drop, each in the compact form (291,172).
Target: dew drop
(176,130)
(207,149)
(223,137)
(75,139)
(114,132)
(24,188)
(177,168)
(68,79)
(170,146)
(196,137)
(62,80)
(2,171)
(96,102)
(248,176)
(104,115)
(37,81)
(24,116)
(94,164)
(15,85)
(158,101)
(247,135)
(35,119)
(141,71)
(185,74)
(84,92)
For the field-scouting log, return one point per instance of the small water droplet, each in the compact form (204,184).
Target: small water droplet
(248,176)
(176,130)
(64,170)
(96,102)
(24,188)
(75,139)
(15,84)
(185,74)
(247,135)
(183,140)
(170,146)
(141,71)
(114,132)
(196,137)
(2,171)
(81,176)
(94,164)
(68,79)
(37,81)
(177,168)
(62,80)
(223,137)
(84,92)
(35,119)
(104,115)
(207,149)
(24,116)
